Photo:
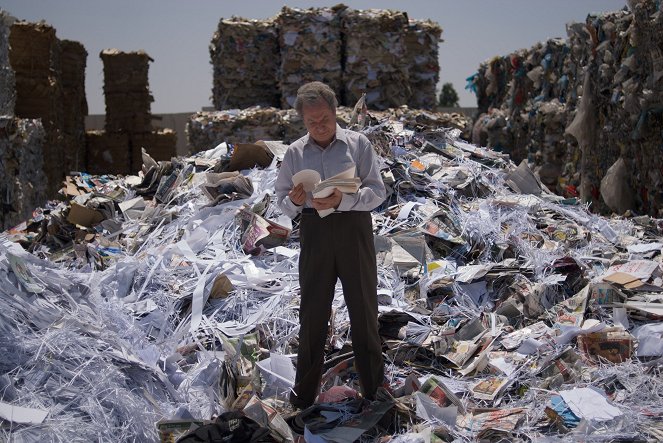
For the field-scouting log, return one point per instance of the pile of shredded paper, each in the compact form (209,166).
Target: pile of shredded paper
(144,306)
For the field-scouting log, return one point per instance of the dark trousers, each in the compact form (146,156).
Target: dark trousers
(337,246)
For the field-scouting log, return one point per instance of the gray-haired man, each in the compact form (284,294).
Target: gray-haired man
(337,246)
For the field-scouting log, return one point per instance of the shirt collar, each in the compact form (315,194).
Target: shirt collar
(340,135)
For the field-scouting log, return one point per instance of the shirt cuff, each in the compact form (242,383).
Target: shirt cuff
(291,208)
(347,202)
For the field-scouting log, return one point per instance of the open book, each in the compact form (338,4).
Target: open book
(345,182)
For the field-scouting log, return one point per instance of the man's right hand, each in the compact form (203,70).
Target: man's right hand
(297,194)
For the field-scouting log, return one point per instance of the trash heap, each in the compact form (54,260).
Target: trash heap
(245,58)
(145,305)
(604,86)
(353,51)
(311,49)
(421,48)
(128,125)
(205,129)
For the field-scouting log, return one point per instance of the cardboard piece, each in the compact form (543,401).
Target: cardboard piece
(80,215)
(249,155)
(620,278)
(221,287)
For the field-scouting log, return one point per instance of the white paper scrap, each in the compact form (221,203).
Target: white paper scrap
(588,404)
(642,248)
(198,302)
(19,414)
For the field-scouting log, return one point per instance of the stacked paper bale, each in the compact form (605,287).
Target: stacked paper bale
(108,153)
(245,59)
(618,118)
(423,120)
(421,47)
(207,129)
(293,125)
(35,57)
(542,93)
(126,90)
(490,83)
(160,144)
(604,85)
(74,60)
(311,45)
(128,118)
(542,72)
(375,58)
(647,163)
(7,79)
(352,51)
(548,143)
(502,132)
(22,180)
(510,90)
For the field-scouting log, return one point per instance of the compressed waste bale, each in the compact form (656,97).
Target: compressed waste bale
(207,129)
(604,84)
(422,38)
(245,59)
(375,58)
(293,125)
(108,153)
(7,78)
(126,88)
(311,49)
(74,60)
(22,180)
(35,57)
(160,144)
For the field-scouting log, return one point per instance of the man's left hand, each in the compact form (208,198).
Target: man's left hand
(328,202)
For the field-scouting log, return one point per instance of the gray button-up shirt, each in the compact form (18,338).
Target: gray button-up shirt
(349,148)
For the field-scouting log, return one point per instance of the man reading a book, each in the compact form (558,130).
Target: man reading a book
(337,246)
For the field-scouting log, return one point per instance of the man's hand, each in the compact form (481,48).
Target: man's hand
(328,202)
(297,194)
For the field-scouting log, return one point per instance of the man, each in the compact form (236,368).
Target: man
(337,246)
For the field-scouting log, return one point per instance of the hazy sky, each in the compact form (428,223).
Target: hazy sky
(176,34)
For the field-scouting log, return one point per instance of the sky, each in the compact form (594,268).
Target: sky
(176,34)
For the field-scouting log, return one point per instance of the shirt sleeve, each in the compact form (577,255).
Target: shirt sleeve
(372,192)
(284,185)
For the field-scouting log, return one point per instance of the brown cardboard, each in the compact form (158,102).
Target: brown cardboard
(80,215)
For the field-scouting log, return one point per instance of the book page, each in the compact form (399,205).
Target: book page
(348,173)
(309,177)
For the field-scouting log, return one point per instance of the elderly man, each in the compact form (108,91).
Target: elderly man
(337,246)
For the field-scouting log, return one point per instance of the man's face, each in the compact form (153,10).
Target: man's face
(320,121)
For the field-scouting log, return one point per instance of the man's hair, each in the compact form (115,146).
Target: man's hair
(314,92)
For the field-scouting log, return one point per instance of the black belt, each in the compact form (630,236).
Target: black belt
(314,211)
